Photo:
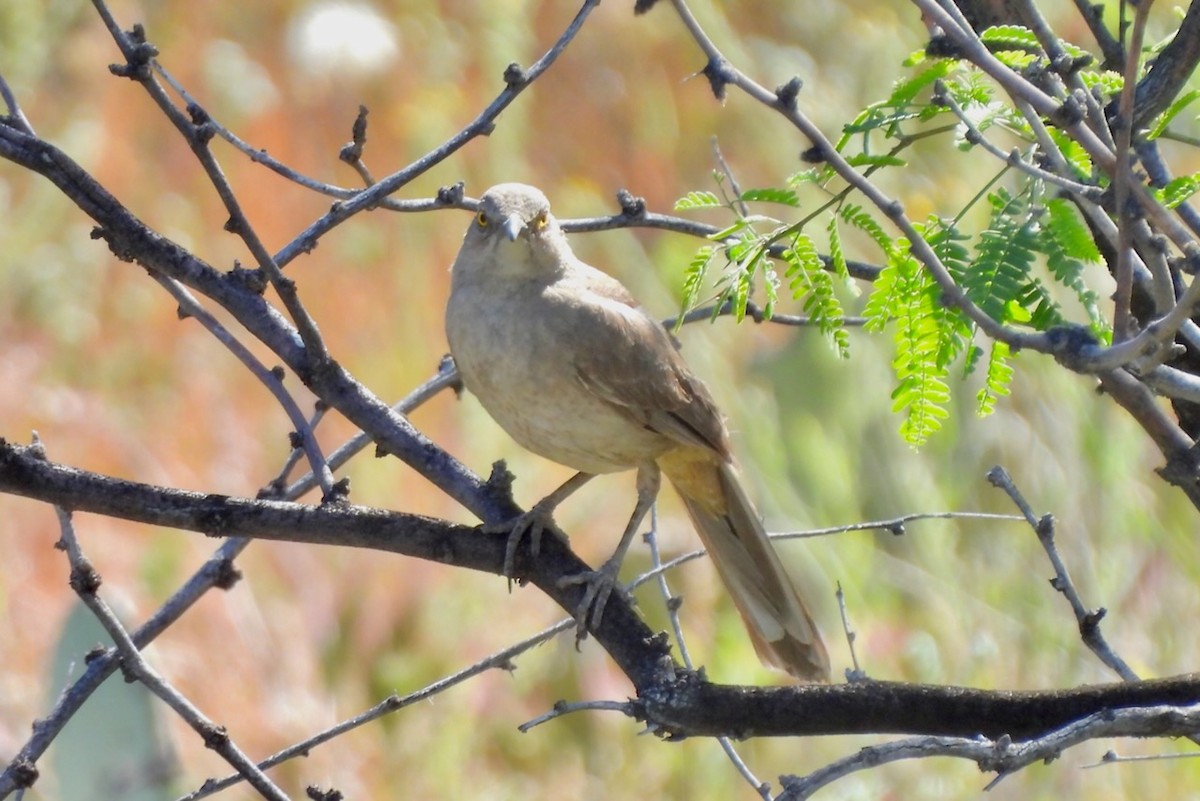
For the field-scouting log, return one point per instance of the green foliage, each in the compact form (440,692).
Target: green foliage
(1164,119)
(784,197)
(921,391)
(1068,244)
(997,379)
(810,281)
(1017,267)
(693,281)
(1178,190)
(698,200)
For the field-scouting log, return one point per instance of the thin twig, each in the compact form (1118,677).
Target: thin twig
(16,116)
(721,72)
(501,659)
(86,581)
(854,673)
(189,306)
(567,708)
(516,80)
(1001,756)
(1088,620)
(1123,177)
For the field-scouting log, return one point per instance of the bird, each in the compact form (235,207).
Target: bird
(565,360)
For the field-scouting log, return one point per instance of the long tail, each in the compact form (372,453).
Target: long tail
(780,625)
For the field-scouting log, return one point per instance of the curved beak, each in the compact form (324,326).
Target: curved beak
(512,227)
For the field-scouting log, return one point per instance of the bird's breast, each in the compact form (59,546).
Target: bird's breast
(517,352)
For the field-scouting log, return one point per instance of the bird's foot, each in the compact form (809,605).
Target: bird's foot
(533,524)
(599,586)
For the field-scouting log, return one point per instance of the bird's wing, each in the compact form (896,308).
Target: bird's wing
(632,362)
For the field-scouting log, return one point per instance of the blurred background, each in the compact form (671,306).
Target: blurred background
(94,358)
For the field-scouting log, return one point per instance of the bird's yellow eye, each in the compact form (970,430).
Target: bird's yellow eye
(540,221)
(481,220)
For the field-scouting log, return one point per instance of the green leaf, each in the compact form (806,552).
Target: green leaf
(1110,83)
(921,391)
(812,284)
(770,289)
(1178,190)
(1069,231)
(1011,36)
(693,280)
(737,227)
(1015,59)
(698,200)
(1068,243)
(1171,113)
(863,221)
(1004,257)
(784,197)
(997,381)
(905,91)
(867,160)
(837,256)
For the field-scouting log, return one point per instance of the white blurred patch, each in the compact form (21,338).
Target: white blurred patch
(334,36)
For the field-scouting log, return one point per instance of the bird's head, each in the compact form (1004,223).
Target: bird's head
(515,232)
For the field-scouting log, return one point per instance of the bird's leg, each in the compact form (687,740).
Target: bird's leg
(600,583)
(539,518)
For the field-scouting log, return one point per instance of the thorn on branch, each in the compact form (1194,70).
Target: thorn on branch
(632,206)
(84,578)
(1091,621)
(450,195)
(352,151)
(1181,468)
(197,114)
(213,517)
(786,94)
(500,481)
(317,794)
(814,155)
(253,280)
(24,773)
(226,575)
(942,46)
(1071,345)
(1067,65)
(215,737)
(124,251)
(1069,113)
(718,73)
(339,493)
(515,76)
(939,97)
(137,60)
(661,642)
(94,653)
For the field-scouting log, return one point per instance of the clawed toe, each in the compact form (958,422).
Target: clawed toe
(599,586)
(532,524)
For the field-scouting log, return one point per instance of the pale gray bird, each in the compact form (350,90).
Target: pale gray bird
(567,362)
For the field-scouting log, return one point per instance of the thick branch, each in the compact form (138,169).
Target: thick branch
(675,702)
(1171,70)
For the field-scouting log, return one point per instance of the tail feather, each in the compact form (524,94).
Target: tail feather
(780,625)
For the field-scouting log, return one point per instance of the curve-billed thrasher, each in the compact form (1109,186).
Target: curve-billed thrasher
(564,359)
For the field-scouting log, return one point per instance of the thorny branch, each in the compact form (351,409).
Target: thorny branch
(1022,727)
